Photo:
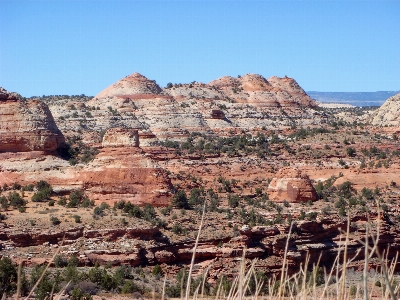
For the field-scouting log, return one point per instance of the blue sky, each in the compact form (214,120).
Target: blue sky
(75,47)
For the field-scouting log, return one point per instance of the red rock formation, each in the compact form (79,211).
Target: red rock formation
(126,173)
(26,125)
(293,89)
(291,185)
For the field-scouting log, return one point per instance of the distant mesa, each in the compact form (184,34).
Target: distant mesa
(130,85)
(291,185)
(27,125)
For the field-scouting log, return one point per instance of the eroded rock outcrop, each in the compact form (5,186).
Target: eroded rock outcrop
(130,85)
(26,125)
(121,137)
(291,185)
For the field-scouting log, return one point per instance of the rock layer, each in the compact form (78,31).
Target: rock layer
(121,137)
(26,125)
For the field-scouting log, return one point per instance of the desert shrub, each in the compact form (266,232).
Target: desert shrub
(4,202)
(135,211)
(16,186)
(54,220)
(177,228)
(196,197)
(120,204)
(233,201)
(8,276)
(180,200)
(16,200)
(312,216)
(78,198)
(351,151)
(60,262)
(62,201)
(28,188)
(41,185)
(166,210)
(346,189)
(157,270)
(99,212)
(77,218)
(42,194)
(130,287)
(78,294)
(46,285)
(149,213)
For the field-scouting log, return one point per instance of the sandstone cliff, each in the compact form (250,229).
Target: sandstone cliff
(26,125)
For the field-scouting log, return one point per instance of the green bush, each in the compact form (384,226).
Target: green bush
(157,270)
(54,220)
(16,200)
(62,201)
(78,294)
(233,201)
(129,287)
(42,195)
(180,200)
(8,276)
(28,188)
(42,185)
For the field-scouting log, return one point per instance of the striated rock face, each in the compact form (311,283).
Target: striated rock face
(131,85)
(293,88)
(291,185)
(26,125)
(388,114)
(121,137)
(260,92)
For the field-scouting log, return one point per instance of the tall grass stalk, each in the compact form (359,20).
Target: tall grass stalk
(194,252)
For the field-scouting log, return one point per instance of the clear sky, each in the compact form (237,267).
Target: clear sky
(81,47)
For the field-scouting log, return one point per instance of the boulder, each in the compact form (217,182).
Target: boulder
(291,185)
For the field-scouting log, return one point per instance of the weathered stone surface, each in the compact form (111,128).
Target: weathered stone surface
(388,114)
(291,185)
(131,85)
(121,137)
(26,125)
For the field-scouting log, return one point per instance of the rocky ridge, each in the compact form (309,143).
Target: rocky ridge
(136,102)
